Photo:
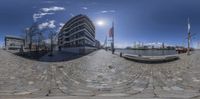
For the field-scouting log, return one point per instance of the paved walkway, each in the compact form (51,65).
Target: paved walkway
(99,74)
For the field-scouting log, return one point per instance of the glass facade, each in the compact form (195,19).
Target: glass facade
(77,32)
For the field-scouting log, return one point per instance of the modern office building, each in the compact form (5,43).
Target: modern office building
(13,42)
(77,35)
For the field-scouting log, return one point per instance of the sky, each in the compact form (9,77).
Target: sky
(148,21)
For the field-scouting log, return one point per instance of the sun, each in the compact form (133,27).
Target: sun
(100,22)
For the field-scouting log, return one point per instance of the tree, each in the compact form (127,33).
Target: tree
(30,32)
(34,35)
(52,37)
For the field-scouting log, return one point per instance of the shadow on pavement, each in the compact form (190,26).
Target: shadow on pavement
(33,55)
(44,56)
(59,56)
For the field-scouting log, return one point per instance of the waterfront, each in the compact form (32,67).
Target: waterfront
(99,74)
(147,52)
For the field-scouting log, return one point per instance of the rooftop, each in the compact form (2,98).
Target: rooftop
(13,36)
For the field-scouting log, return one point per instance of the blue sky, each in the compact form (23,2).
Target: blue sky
(146,21)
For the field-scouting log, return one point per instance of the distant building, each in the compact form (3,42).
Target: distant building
(163,45)
(170,47)
(146,47)
(97,44)
(14,42)
(77,35)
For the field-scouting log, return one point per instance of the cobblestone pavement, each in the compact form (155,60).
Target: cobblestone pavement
(99,74)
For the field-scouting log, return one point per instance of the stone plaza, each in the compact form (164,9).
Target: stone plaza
(99,75)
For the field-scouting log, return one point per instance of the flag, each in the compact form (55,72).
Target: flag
(111,31)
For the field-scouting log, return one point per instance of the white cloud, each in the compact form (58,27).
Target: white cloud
(60,27)
(55,8)
(61,24)
(108,11)
(46,11)
(43,25)
(49,24)
(52,24)
(84,8)
(40,15)
(104,11)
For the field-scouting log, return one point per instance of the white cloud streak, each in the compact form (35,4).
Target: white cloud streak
(40,15)
(49,24)
(46,11)
(54,8)
(84,8)
(108,11)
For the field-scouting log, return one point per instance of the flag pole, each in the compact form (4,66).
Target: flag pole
(113,44)
(189,37)
(106,43)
